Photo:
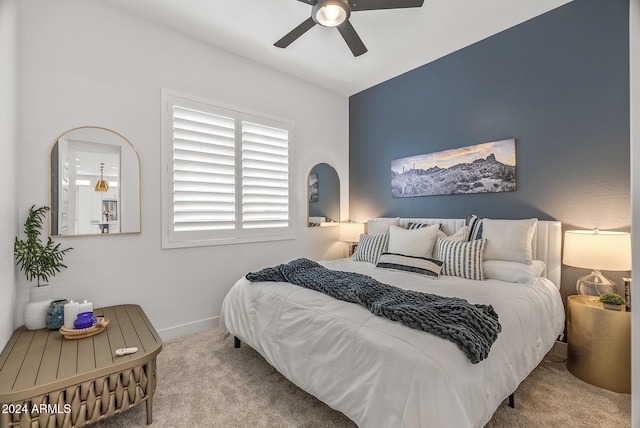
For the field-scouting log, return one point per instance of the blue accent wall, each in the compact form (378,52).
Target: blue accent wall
(558,84)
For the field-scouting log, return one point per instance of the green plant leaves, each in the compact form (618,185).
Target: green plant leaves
(38,260)
(612,299)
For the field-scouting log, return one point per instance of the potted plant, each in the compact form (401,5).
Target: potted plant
(35,259)
(612,302)
(38,261)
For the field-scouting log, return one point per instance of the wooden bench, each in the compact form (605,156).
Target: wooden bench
(49,381)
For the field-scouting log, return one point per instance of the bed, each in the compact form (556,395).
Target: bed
(380,373)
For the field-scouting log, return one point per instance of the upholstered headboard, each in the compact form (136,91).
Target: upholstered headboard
(546,244)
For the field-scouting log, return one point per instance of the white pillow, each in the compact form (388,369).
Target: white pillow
(381,225)
(413,242)
(513,271)
(509,239)
(460,235)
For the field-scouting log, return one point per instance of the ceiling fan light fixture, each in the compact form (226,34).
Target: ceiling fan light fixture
(330,13)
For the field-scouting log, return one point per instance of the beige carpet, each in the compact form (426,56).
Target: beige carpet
(204,382)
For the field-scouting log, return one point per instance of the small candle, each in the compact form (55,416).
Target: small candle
(70,314)
(85,307)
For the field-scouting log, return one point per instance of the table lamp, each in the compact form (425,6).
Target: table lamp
(350,233)
(597,250)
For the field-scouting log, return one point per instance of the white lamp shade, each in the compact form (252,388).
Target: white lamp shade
(597,250)
(350,232)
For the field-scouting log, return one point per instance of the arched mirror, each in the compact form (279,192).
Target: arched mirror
(324,196)
(94,184)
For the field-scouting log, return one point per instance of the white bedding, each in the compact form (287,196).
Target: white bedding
(382,374)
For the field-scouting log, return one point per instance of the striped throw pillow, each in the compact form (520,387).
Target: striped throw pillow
(412,226)
(475,227)
(463,259)
(420,265)
(370,247)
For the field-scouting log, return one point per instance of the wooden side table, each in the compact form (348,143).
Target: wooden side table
(49,381)
(599,344)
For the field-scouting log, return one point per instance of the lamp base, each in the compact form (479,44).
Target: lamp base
(595,284)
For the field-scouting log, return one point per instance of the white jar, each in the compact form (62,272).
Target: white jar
(35,314)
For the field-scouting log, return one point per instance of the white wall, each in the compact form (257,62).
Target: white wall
(634,60)
(8,195)
(87,63)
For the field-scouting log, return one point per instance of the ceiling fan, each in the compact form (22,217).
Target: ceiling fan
(335,13)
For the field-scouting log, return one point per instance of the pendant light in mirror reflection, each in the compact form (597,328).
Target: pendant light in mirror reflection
(101,185)
(90,200)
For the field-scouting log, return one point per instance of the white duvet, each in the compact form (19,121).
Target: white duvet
(382,374)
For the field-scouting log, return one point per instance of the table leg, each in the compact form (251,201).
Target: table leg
(150,410)
(151,390)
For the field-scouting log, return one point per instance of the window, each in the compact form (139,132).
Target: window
(226,176)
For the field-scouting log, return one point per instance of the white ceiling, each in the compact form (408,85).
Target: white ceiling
(398,40)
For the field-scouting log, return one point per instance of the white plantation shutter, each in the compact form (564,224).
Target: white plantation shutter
(203,171)
(265,176)
(226,177)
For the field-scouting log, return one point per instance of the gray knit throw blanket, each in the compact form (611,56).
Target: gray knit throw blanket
(473,328)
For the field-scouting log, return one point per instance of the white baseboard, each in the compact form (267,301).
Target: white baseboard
(189,328)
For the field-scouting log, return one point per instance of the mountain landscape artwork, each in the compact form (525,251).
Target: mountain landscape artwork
(483,168)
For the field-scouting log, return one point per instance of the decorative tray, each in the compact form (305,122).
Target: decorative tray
(98,327)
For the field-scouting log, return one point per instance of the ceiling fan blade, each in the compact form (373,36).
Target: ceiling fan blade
(295,33)
(351,37)
(311,2)
(358,5)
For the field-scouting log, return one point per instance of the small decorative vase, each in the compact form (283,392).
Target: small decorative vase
(35,312)
(612,307)
(55,315)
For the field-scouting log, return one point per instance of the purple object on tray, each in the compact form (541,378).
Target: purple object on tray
(84,320)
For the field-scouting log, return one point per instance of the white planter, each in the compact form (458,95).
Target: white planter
(37,294)
(35,312)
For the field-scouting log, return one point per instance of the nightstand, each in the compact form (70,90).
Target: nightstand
(599,344)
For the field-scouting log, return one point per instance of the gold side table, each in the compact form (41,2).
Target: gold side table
(599,344)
